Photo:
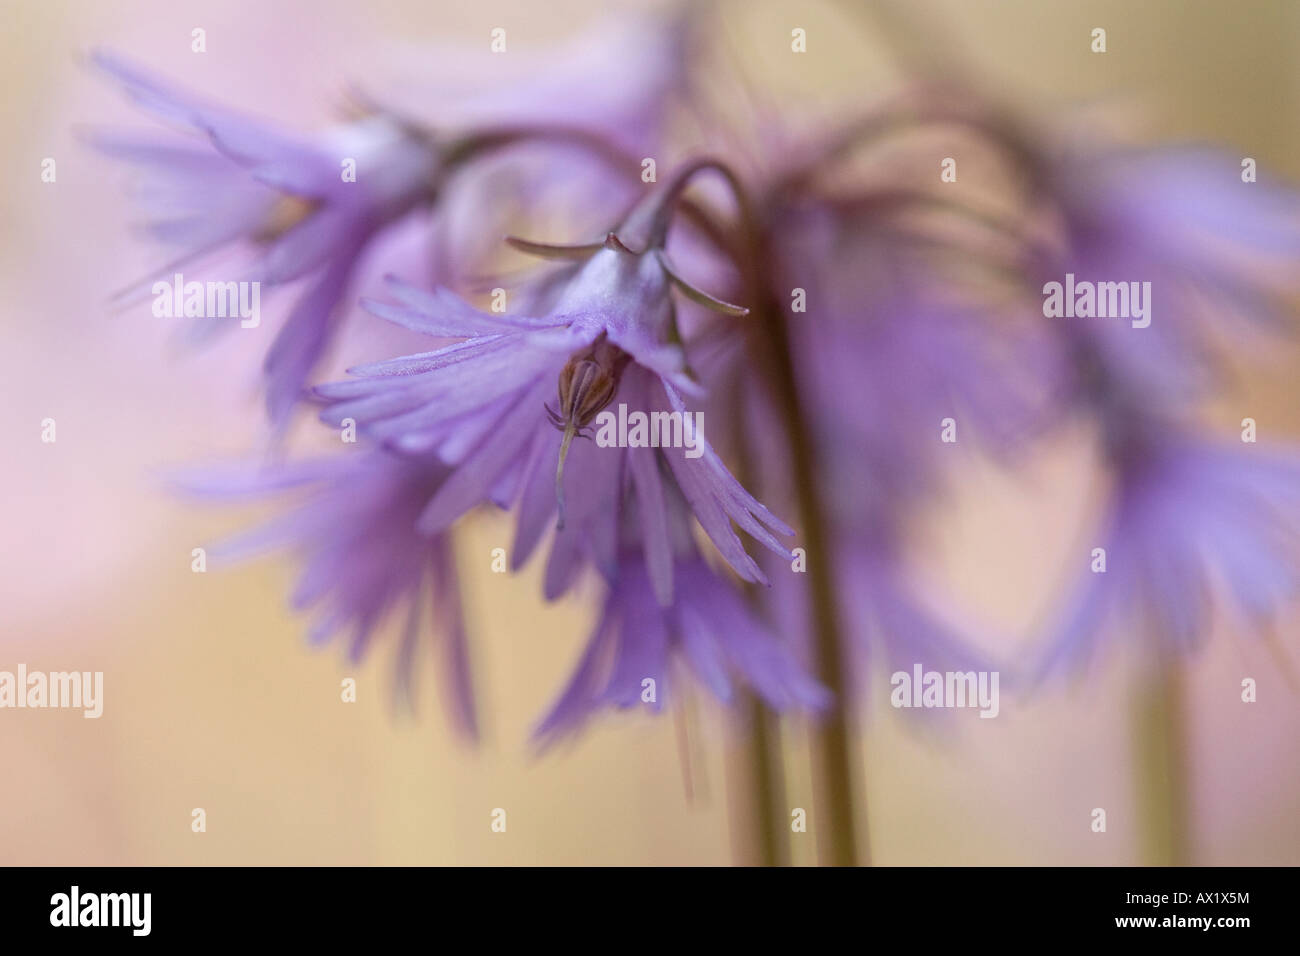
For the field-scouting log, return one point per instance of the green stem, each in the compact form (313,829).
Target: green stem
(764,764)
(831,743)
(470,145)
(760,782)
(1162,767)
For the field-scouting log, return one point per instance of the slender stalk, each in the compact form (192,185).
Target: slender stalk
(648,222)
(769,784)
(759,792)
(762,753)
(1162,767)
(473,144)
(832,758)
(917,108)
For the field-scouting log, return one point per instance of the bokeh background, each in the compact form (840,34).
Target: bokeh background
(212,699)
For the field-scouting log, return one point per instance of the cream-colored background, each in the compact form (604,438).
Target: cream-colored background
(213,701)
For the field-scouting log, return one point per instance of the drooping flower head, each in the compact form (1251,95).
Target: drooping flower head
(1190,523)
(888,342)
(352,526)
(507,405)
(1189,519)
(1215,253)
(308,207)
(287,197)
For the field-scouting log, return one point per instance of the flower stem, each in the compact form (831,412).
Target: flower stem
(647,224)
(764,781)
(1162,767)
(832,760)
(831,745)
(760,790)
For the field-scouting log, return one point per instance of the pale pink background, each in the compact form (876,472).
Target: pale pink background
(213,701)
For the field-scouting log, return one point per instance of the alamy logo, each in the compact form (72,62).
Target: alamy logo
(1102,300)
(102,909)
(59,689)
(653,430)
(208,300)
(923,688)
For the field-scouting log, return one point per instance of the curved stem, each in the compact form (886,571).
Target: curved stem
(649,221)
(918,108)
(832,757)
(764,765)
(469,145)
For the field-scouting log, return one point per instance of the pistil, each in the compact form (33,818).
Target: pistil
(588,382)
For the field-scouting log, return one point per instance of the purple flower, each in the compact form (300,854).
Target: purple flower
(286,197)
(363,562)
(1187,520)
(1218,254)
(709,628)
(891,345)
(482,405)
(901,338)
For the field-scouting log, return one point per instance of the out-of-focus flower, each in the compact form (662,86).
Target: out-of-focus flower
(291,207)
(1188,520)
(1218,253)
(894,347)
(352,525)
(290,198)
(892,343)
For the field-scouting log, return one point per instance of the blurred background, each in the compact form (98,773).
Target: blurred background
(213,700)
